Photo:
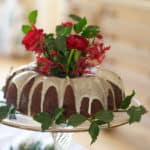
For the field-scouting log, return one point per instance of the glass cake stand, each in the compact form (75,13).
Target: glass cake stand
(62,134)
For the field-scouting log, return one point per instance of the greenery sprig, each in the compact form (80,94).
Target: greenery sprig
(100,118)
(135,112)
(7,111)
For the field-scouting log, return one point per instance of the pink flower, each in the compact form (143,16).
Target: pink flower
(34,40)
(75,41)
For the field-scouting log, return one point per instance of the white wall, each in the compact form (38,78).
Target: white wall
(50,13)
(11,19)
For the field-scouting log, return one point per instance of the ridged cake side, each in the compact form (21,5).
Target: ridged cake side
(31,92)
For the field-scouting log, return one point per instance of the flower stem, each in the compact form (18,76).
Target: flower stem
(69,60)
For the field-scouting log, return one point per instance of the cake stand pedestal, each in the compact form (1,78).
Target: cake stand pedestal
(62,134)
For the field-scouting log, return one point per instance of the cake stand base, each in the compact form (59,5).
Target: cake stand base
(62,141)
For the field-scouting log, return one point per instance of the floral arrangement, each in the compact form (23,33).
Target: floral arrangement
(72,51)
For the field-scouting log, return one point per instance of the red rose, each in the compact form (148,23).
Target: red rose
(44,65)
(67,24)
(34,40)
(77,42)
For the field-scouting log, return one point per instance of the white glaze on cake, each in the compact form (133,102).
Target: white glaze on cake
(93,87)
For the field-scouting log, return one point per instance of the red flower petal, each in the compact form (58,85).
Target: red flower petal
(54,53)
(44,65)
(67,24)
(99,36)
(75,41)
(34,40)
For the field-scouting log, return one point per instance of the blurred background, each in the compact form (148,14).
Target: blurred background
(126,27)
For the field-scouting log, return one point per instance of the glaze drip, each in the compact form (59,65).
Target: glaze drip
(85,95)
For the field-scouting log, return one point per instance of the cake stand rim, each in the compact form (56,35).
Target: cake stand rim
(56,130)
(10,123)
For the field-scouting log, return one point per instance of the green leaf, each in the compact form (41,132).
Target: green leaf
(69,60)
(49,42)
(126,102)
(75,17)
(91,31)
(61,120)
(76,119)
(50,35)
(104,116)
(77,54)
(57,113)
(58,72)
(78,27)
(26,28)
(135,113)
(60,43)
(12,112)
(33,16)
(63,31)
(3,112)
(45,120)
(94,131)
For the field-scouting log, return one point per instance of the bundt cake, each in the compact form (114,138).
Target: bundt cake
(61,76)
(32,92)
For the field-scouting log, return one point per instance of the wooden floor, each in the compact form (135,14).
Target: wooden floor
(134,137)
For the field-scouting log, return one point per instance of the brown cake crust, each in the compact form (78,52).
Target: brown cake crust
(44,96)
(50,100)
(118,94)
(84,107)
(12,95)
(69,102)
(111,105)
(96,106)
(36,99)
(23,105)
